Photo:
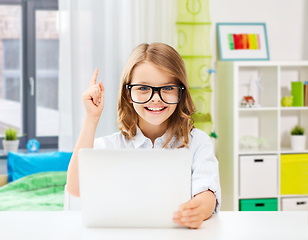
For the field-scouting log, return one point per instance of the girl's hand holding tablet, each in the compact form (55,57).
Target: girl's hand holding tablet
(93,97)
(195,211)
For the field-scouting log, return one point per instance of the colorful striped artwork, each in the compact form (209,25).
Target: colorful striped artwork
(244,41)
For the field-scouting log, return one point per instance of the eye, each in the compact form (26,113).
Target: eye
(144,88)
(167,88)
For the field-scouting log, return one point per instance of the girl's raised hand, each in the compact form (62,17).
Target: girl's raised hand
(93,97)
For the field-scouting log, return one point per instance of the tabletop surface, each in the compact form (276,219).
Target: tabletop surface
(225,225)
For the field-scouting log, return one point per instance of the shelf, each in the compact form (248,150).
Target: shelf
(286,150)
(264,152)
(258,130)
(271,63)
(258,109)
(293,196)
(275,196)
(288,119)
(236,64)
(293,108)
(257,152)
(273,108)
(289,74)
(261,130)
(24,150)
(259,82)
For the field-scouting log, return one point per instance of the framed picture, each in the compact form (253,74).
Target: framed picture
(242,41)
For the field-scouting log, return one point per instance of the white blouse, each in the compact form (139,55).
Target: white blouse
(205,174)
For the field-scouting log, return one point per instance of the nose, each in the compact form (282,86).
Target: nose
(156,97)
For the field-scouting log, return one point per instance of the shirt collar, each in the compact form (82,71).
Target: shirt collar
(140,139)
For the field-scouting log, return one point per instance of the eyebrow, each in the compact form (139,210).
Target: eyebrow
(145,83)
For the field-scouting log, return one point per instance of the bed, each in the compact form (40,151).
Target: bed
(36,182)
(36,192)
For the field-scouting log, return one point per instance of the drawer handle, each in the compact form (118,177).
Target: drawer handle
(301,203)
(258,160)
(259,204)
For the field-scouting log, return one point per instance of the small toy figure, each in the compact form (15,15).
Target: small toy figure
(247,101)
(287,101)
(254,91)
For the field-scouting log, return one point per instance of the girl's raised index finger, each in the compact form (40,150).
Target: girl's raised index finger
(93,79)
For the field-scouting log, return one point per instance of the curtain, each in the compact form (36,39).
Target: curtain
(102,34)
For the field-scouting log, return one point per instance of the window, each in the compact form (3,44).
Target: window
(47,58)
(29,63)
(11,69)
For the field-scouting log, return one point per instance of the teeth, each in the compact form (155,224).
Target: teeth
(155,109)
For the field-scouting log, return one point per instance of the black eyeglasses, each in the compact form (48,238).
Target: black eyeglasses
(170,94)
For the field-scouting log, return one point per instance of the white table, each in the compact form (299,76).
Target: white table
(225,225)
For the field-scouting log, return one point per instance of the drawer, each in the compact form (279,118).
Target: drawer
(294,174)
(294,204)
(258,176)
(259,204)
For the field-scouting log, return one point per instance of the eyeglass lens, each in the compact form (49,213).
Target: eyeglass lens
(169,94)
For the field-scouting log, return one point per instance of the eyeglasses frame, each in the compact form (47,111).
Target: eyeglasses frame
(154,89)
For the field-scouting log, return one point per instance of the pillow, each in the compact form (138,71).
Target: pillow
(23,164)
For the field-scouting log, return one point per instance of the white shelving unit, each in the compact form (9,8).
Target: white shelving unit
(269,122)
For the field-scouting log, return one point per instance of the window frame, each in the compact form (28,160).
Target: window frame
(28,69)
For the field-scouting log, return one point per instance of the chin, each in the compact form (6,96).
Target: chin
(155,123)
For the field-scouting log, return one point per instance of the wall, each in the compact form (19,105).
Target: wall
(286,25)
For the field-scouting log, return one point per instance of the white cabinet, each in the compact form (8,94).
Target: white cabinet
(258,176)
(295,204)
(263,130)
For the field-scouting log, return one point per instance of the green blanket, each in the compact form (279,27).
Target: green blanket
(36,192)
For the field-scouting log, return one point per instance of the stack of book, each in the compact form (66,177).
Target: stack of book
(300,94)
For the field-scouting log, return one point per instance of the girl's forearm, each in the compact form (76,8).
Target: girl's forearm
(85,140)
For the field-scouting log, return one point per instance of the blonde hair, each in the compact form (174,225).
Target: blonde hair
(166,58)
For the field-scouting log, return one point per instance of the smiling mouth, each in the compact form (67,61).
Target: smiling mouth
(159,109)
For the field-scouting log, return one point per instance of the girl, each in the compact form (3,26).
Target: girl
(154,111)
